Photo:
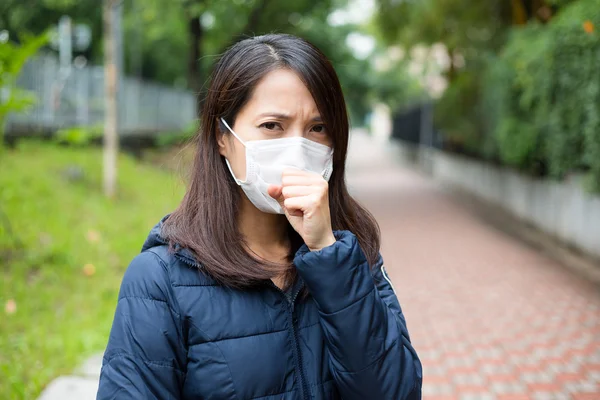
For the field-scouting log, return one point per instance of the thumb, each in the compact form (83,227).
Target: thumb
(275,191)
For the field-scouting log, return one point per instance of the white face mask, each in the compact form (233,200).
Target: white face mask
(266,159)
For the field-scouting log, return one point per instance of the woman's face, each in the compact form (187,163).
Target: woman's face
(280,107)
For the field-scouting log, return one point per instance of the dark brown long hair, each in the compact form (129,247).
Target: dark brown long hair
(206,220)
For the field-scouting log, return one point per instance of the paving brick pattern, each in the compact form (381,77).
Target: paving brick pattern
(490,317)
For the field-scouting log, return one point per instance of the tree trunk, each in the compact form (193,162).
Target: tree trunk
(196,35)
(452,66)
(194,68)
(519,12)
(111,142)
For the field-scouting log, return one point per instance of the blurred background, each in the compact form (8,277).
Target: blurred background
(475,142)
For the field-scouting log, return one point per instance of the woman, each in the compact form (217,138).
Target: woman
(266,283)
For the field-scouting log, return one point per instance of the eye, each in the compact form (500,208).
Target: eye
(270,126)
(318,128)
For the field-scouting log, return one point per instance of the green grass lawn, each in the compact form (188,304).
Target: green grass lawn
(63,265)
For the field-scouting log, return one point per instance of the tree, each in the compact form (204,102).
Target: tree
(35,17)
(234,21)
(13,57)
(111,139)
(176,42)
(465,28)
(469,32)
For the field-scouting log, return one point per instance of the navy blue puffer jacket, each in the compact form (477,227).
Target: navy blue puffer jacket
(177,334)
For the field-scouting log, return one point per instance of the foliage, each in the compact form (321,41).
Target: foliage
(174,138)
(458,24)
(513,90)
(529,98)
(574,135)
(456,111)
(395,87)
(158,42)
(62,264)
(12,59)
(469,31)
(560,3)
(79,135)
(37,16)
(543,91)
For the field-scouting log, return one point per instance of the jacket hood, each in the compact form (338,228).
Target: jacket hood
(154,237)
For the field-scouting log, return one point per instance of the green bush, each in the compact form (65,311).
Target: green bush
(13,57)
(542,94)
(79,135)
(516,96)
(574,135)
(457,112)
(560,3)
(173,138)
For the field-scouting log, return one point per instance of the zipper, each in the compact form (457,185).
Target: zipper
(297,352)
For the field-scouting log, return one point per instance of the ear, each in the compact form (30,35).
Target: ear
(220,132)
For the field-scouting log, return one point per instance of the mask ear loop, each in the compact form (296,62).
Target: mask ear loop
(239,182)
(232,132)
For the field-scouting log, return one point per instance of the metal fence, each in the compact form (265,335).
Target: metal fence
(415,125)
(77,100)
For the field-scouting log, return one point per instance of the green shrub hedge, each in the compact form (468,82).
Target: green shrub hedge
(541,95)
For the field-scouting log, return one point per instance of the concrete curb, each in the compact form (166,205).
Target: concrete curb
(83,385)
(582,264)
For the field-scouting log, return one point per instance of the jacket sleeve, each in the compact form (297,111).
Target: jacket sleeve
(371,356)
(145,356)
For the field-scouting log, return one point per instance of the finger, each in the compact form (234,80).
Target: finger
(293,171)
(296,191)
(298,204)
(302,180)
(295,213)
(290,171)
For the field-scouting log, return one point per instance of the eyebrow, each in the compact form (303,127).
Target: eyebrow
(284,116)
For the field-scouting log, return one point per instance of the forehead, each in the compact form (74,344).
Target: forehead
(283,91)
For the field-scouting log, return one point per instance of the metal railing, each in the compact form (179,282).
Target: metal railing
(414,124)
(77,100)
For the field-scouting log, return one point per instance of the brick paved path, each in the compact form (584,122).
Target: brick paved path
(490,317)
